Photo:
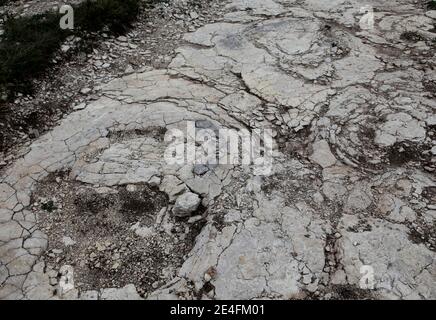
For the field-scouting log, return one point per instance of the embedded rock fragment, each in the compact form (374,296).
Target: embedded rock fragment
(186,204)
(322,154)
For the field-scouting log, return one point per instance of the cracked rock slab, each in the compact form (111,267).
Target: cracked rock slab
(352,184)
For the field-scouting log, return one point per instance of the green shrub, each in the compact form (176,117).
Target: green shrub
(432,5)
(26,48)
(29,43)
(115,15)
(5,2)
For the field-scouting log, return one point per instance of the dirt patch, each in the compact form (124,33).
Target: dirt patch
(401,153)
(430,86)
(157,133)
(423,234)
(361,226)
(430,194)
(293,144)
(405,152)
(347,292)
(291,186)
(112,236)
(411,36)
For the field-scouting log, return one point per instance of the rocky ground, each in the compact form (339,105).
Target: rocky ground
(83,64)
(91,209)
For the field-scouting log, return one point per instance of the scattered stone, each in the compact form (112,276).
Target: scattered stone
(322,155)
(200,169)
(65,48)
(194,15)
(79,107)
(85,91)
(68,241)
(186,204)
(66,282)
(431,14)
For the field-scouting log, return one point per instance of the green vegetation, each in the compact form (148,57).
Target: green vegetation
(26,49)
(432,5)
(115,15)
(29,43)
(5,2)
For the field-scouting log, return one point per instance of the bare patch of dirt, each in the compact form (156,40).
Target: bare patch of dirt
(424,234)
(430,86)
(430,194)
(406,152)
(411,36)
(112,236)
(347,292)
(294,144)
(157,133)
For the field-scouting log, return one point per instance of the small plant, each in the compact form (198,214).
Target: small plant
(29,43)
(115,15)
(48,206)
(26,48)
(3,2)
(431,5)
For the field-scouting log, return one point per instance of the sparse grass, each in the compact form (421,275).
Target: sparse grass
(431,5)
(29,43)
(27,47)
(5,2)
(115,15)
